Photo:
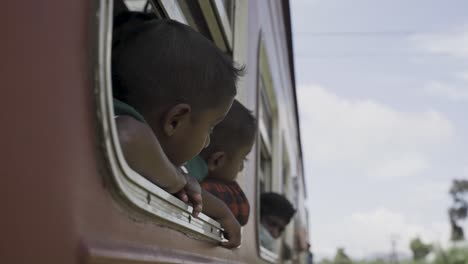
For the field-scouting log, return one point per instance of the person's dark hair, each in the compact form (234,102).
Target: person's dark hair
(238,128)
(157,63)
(119,8)
(274,204)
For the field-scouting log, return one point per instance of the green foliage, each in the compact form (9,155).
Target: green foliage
(341,257)
(455,255)
(326,261)
(419,249)
(459,209)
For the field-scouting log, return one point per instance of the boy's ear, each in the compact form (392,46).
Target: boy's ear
(216,160)
(175,117)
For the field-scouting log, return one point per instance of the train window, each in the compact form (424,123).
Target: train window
(286,172)
(229,7)
(138,5)
(219,15)
(265,169)
(267,156)
(225,10)
(288,237)
(161,8)
(265,114)
(134,189)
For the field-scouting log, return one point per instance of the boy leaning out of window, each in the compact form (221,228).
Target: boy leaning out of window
(181,86)
(218,165)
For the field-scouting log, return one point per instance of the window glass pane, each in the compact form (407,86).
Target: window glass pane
(266,113)
(265,168)
(229,7)
(136,5)
(286,178)
(144,6)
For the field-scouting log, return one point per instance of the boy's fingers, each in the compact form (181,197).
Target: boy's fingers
(193,199)
(194,192)
(183,196)
(230,244)
(194,188)
(196,200)
(232,231)
(234,240)
(196,210)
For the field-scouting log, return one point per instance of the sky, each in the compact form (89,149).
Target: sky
(383,102)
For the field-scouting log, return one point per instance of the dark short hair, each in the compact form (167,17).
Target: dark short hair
(274,204)
(238,129)
(163,62)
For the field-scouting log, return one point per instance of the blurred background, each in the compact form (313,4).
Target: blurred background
(383,97)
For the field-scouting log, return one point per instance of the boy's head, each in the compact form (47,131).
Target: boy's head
(231,141)
(177,79)
(275,213)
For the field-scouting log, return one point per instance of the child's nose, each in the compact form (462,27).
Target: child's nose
(275,233)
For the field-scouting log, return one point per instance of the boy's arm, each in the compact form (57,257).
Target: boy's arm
(145,155)
(217,209)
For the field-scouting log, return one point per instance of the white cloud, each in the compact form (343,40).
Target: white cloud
(453,92)
(465,171)
(463,76)
(403,166)
(376,228)
(451,43)
(372,231)
(430,193)
(455,44)
(367,137)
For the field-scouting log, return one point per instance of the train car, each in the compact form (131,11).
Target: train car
(68,196)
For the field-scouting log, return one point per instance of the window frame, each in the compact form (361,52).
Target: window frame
(170,8)
(219,24)
(265,111)
(266,95)
(267,183)
(134,189)
(286,178)
(132,5)
(225,20)
(288,191)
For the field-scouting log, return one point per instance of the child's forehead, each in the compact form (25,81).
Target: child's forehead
(209,114)
(277,220)
(242,150)
(215,113)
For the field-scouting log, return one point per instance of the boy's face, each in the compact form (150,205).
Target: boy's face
(187,134)
(274,224)
(233,163)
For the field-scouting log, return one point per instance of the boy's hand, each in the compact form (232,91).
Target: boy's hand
(218,210)
(176,186)
(191,193)
(232,231)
